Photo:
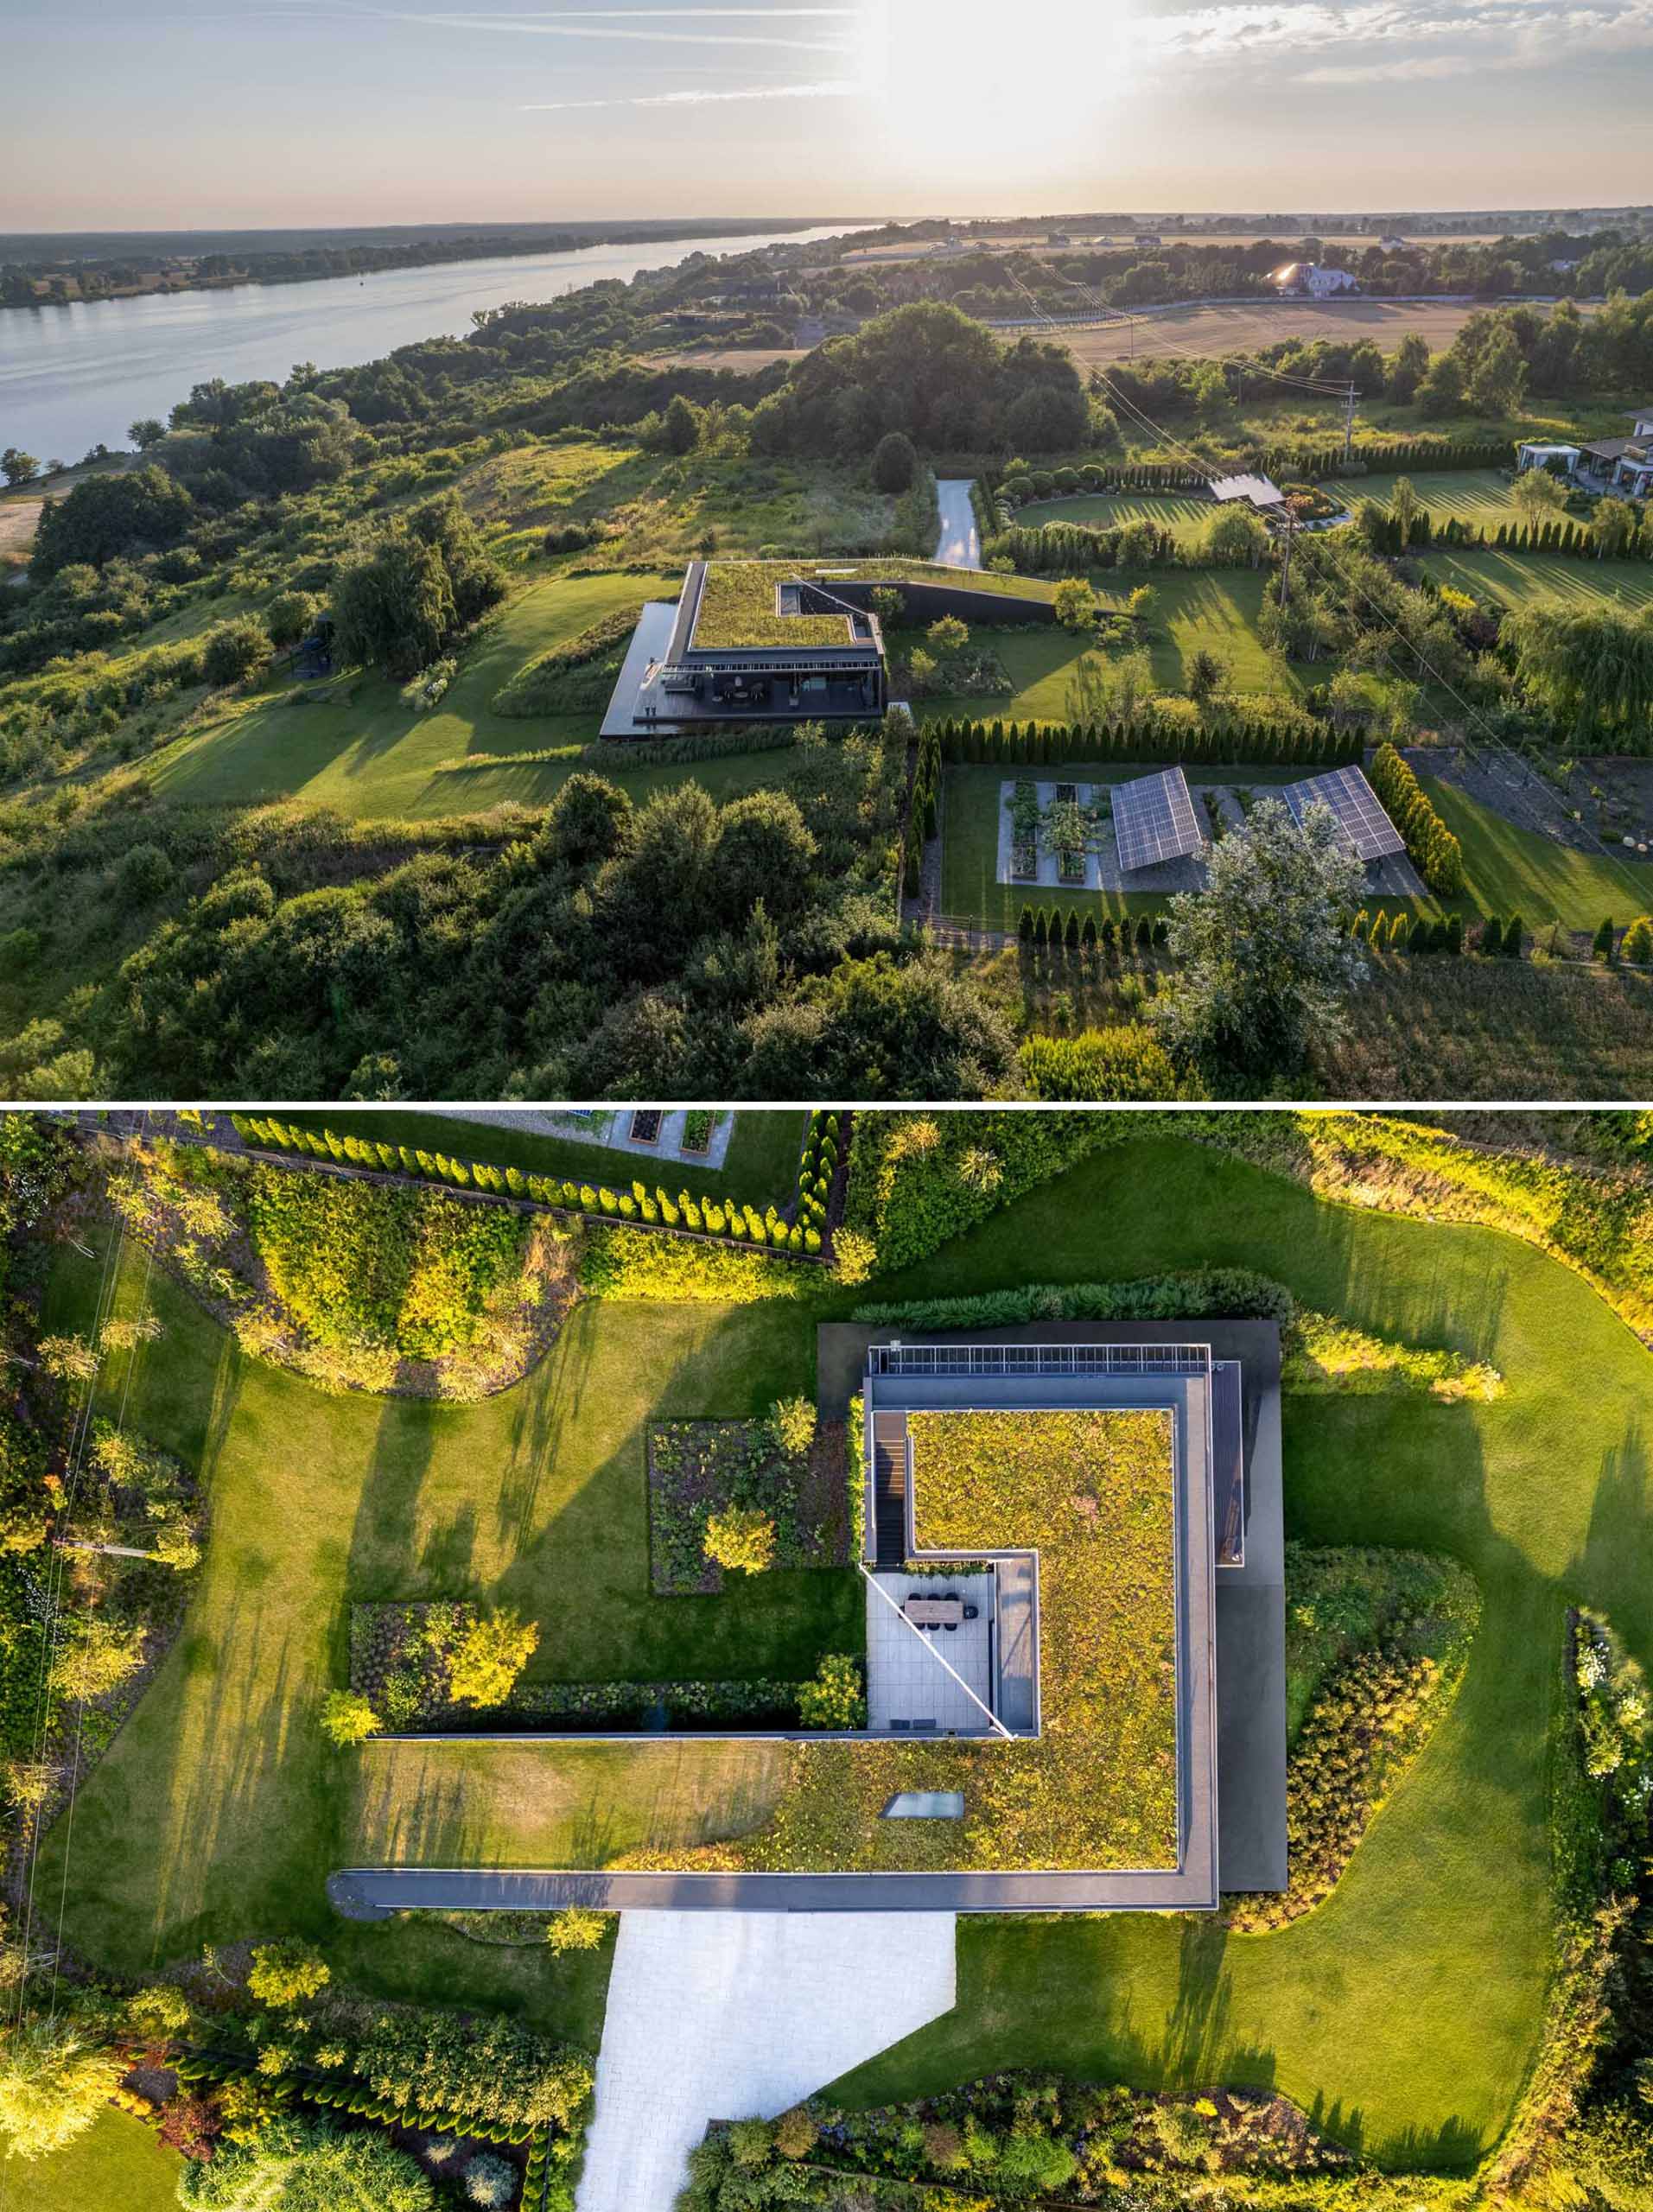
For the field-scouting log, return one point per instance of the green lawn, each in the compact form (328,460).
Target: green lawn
(760,1165)
(118,2165)
(1474,495)
(1510,870)
(1405,2012)
(219,1811)
(1213,611)
(369,756)
(1528,579)
(1181,512)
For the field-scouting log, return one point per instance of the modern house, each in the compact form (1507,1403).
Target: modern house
(1622,466)
(1309,280)
(1071,1554)
(748,641)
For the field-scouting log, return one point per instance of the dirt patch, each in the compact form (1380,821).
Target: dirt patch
(19,518)
(745,360)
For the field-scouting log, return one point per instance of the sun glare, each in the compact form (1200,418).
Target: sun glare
(975,80)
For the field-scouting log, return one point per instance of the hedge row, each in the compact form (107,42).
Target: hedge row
(356,2102)
(923,815)
(726,1217)
(817,1165)
(1266,740)
(1070,549)
(1435,852)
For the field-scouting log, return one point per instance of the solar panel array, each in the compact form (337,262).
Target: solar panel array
(1362,823)
(1155,821)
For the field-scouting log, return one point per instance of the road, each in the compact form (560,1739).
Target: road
(959,547)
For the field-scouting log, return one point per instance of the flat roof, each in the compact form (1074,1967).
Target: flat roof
(1260,491)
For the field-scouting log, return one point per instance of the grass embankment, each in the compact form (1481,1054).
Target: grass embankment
(219,1811)
(760,1165)
(1405,2011)
(363,753)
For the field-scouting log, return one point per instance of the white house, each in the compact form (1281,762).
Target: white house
(1308,280)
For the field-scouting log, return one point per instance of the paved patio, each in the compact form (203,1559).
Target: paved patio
(730,2015)
(906,1682)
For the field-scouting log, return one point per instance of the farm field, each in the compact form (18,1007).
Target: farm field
(1181,513)
(1529,579)
(1196,331)
(228,1806)
(366,754)
(1403,2013)
(1213,612)
(761,1163)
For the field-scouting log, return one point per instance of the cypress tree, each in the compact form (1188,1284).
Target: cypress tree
(1105,934)
(1088,934)
(1454,932)
(1042,928)
(1071,934)
(1602,947)
(1144,934)
(1512,938)
(1492,936)
(1025,927)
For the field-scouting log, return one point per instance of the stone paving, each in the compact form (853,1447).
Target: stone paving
(733,2015)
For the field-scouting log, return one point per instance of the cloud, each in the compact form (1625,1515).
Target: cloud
(1396,40)
(644,26)
(688,97)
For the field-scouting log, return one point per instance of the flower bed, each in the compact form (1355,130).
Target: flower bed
(697,1468)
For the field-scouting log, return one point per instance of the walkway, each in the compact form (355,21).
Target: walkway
(960,544)
(730,2015)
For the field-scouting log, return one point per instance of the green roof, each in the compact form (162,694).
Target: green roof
(737,606)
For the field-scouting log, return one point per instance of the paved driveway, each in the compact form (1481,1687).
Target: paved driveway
(960,545)
(728,2015)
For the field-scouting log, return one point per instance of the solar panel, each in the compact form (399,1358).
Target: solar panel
(1155,821)
(1362,823)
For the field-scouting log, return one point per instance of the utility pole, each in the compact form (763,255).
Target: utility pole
(1348,421)
(1286,565)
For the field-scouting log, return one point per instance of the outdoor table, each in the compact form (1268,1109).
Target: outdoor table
(935,1612)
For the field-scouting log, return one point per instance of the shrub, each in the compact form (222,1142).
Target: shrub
(1637,945)
(347,1717)
(488,1654)
(1434,851)
(490,2181)
(577,1928)
(795,2132)
(791,1421)
(236,650)
(835,1699)
(291,616)
(288,1972)
(855,1258)
(1075,604)
(146,874)
(741,1538)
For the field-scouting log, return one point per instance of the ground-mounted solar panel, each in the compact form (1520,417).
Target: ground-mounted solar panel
(1155,821)
(1361,821)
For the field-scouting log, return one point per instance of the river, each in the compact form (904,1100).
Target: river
(71,377)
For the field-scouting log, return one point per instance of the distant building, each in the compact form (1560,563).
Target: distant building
(1146,237)
(1310,280)
(1260,493)
(1392,244)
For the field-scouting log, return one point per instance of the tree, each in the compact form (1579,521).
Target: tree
(1207,674)
(409,594)
(1406,509)
(139,511)
(147,431)
(1602,946)
(487,1656)
(791,1423)
(71,1359)
(948,634)
(835,1699)
(126,1333)
(1613,524)
(347,1717)
(681,426)
(18,467)
(287,1972)
(1075,604)
(577,1928)
(1267,962)
(855,1258)
(1406,367)
(1537,497)
(96,1658)
(1637,944)
(291,616)
(305,2165)
(1498,379)
(1142,603)
(1441,390)
(236,650)
(741,1538)
(54,2080)
(895,462)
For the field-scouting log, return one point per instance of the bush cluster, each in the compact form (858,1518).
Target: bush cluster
(1434,852)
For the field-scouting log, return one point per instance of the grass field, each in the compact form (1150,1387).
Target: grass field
(1196,331)
(1405,2011)
(760,1165)
(1214,612)
(1528,579)
(369,756)
(1510,870)
(1474,495)
(219,1810)
(1179,512)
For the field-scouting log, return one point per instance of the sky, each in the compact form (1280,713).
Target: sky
(230,113)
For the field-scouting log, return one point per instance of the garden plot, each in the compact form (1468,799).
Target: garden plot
(1050,869)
